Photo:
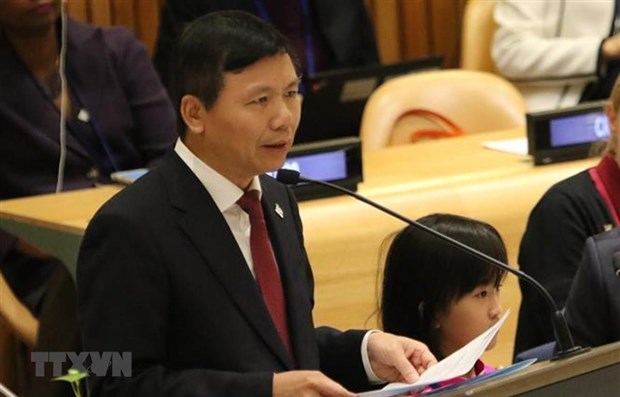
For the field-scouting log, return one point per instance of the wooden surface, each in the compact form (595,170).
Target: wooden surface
(142,16)
(593,373)
(343,236)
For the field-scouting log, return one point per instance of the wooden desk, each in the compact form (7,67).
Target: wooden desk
(592,374)
(54,223)
(343,236)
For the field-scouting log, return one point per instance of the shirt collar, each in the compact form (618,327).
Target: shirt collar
(224,193)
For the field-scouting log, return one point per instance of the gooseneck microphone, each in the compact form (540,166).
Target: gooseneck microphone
(565,345)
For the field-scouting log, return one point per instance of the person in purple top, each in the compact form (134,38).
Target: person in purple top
(118,117)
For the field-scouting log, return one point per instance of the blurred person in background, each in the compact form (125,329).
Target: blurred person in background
(572,210)
(118,117)
(558,52)
(593,305)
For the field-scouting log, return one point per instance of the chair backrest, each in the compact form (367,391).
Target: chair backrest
(477,35)
(474,101)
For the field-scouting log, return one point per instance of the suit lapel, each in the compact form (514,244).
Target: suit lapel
(22,93)
(86,72)
(207,229)
(290,260)
(91,73)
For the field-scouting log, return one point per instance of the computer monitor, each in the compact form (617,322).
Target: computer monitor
(567,133)
(334,100)
(338,161)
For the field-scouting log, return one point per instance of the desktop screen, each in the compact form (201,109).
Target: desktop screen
(578,129)
(330,166)
(334,100)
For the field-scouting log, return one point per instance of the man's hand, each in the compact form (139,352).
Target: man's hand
(398,359)
(307,384)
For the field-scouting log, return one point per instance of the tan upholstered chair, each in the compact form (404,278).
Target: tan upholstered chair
(477,35)
(474,101)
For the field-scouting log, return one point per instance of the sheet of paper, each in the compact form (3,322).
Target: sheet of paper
(513,145)
(456,364)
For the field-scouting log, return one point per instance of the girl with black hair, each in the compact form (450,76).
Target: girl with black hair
(438,294)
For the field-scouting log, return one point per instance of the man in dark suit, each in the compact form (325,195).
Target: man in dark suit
(170,268)
(593,305)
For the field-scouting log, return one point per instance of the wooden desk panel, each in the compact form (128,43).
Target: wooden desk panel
(593,373)
(67,212)
(343,236)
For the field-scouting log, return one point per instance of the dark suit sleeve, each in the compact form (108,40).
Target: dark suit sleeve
(151,110)
(339,352)
(167,37)
(124,306)
(173,18)
(349,32)
(341,359)
(550,252)
(587,309)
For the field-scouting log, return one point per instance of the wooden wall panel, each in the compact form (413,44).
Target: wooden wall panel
(78,9)
(445,28)
(408,29)
(142,16)
(416,21)
(387,28)
(147,21)
(405,29)
(123,12)
(100,13)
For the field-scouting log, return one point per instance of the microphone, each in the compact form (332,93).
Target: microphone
(564,340)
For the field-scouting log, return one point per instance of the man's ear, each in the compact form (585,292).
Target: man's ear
(192,112)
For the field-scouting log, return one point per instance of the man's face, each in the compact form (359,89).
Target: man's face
(251,127)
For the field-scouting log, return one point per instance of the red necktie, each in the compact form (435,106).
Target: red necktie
(265,266)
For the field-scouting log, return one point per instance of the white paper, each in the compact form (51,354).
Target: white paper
(513,145)
(456,364)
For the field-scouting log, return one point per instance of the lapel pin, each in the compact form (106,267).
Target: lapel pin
(83,116)
(279,211)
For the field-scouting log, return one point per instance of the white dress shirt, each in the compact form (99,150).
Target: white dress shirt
(225,194)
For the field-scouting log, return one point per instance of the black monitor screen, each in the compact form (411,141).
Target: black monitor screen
(567,133)
(334,100)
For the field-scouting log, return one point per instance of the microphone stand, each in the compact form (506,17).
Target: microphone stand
(565,345)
